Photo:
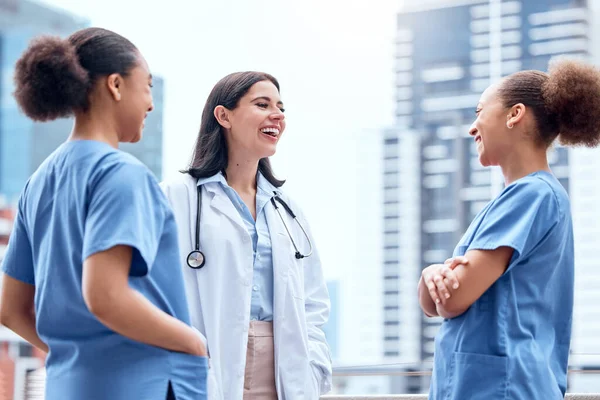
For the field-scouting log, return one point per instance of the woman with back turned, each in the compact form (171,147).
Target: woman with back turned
(91,271)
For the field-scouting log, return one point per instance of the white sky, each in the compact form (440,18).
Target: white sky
(333,59)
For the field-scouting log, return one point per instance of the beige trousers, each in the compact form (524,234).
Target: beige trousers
(259,380)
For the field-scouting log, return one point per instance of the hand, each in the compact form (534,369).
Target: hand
(439,278)
(456,261)
(198,347)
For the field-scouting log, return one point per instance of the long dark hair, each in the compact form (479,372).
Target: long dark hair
(210,152)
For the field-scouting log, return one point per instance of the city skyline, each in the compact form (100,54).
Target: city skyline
(316,62)
(25,144)
(358,103)
(436,94)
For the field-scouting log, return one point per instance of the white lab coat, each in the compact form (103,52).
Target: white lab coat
(219,294)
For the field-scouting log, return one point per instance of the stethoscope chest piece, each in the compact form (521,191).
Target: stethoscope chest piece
(196,259)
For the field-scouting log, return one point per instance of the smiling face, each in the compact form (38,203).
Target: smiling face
(256,124)
(135,101)
(490,131)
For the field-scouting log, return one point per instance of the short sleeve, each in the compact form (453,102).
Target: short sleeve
(520,218)
(125,207)
(18,260)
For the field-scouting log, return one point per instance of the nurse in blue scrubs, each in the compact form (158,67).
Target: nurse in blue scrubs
(507,326)
(91,273)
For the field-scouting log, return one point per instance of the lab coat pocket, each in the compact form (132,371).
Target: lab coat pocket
(478,376)
(296,290)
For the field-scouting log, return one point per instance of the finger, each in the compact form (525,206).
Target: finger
(456,261)
(432,291)
(451,276)
(441,287)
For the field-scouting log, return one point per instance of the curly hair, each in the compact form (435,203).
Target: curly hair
(565,101)
(54,76)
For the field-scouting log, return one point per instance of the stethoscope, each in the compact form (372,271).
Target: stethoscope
(196,258)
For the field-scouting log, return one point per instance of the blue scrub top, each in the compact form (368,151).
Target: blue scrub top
(513,342)
(86,198)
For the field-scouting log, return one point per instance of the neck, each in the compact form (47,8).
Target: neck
(519,164)
(92,126)
(241,174)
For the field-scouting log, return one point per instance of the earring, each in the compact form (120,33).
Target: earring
(509,125)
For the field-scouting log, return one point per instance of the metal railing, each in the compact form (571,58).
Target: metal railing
(570,396)
(34,390)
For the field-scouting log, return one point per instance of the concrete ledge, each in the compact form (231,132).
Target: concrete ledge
(569,396)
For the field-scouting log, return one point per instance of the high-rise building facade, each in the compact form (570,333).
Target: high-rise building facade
(24,144)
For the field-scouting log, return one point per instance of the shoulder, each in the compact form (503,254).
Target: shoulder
(125,175)
(178,183)
(293,204)
(537,195)
(126,165)
(531,189)
(178,191)
(101,156)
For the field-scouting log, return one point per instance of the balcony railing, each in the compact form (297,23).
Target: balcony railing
(35,391)
(570,396)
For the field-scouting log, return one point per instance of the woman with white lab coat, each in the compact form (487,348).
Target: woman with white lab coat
(253,278)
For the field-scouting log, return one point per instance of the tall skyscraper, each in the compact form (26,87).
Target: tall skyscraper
(21,20)
(447,53)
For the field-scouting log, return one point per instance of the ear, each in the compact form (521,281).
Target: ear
(222,116)
(114,83)
(515,115)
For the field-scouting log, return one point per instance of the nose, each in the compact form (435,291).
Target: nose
(473,130)
(277,115)
(151,107)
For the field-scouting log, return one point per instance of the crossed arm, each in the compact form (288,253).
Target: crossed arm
(448,290)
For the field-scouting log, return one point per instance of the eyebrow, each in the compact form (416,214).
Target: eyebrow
(268,99)
(150,76)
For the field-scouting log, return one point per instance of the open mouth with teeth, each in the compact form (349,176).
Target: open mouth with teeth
(274,132)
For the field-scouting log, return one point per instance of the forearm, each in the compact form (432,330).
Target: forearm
(24,326)
(445,313)
(132,315)
(427,304)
